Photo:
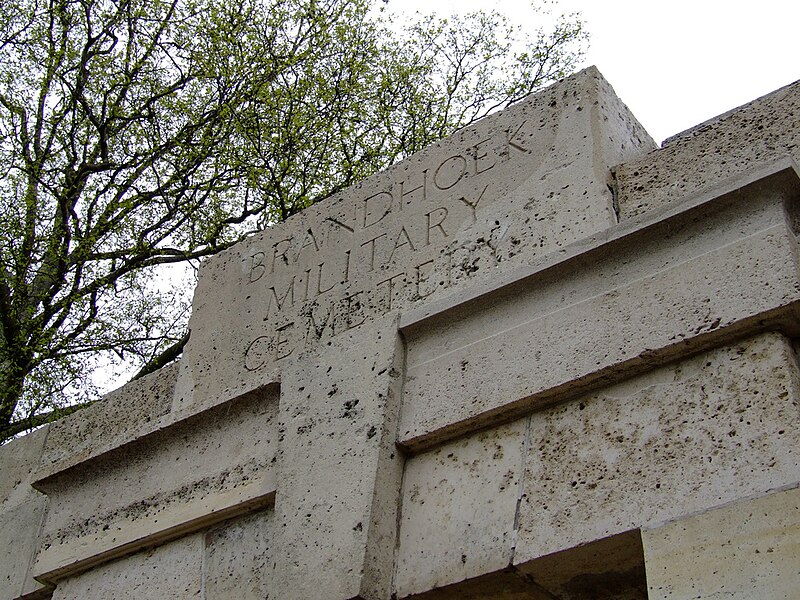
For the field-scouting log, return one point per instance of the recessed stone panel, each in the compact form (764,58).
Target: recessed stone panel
(171,571)
(626,306)
(240,558)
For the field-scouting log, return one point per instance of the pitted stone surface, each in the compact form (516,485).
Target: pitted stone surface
(339,467)
(459,504)
(239,559)
(683,438)
(21,512)
(722,267)
(171,571)
(515,185)
(19,459)
(711,152)
(122,416)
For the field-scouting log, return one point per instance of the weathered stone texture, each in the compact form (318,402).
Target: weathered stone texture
(172,571)
(459,505)
(685,437)
(21,512)
(711,152)
(122,416)
(706,431)
(621,306)
(513,186)
(338,427)
(239,559)
(744,550)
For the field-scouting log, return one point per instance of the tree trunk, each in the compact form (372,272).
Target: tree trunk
(12,378)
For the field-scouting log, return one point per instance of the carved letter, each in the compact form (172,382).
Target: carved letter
(372,250)
(511,143)
(279,302)
(308,280)
(423,278)
(437,225)
(308,241)
(348,302)
(403,234)
(347,268)
(340,225)
(390,294)
(368,210)
(474,205)
(423,186)
(254,355)
(320,291)
(280,253)
(478,156)
(257,267)
(320,329)
(460,172)
(281,340)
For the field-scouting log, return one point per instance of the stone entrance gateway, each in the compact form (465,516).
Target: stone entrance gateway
(541,359)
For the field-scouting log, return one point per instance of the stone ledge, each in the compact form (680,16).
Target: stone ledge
(214,465)
(715,233)
(99,429)
(780,171)
(763,129)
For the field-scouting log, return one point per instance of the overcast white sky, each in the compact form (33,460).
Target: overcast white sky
(677,63)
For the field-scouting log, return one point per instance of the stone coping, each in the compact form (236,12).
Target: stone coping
(781,171)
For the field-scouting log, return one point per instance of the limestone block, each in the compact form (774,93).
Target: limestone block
(19,537)
(657,291)
(121,416)
(171,571)
(747,549)
(517,184)
(712,151)
(210,467)
(21,512)
(340,473)
(459,506)
(239,558)
(684,438)
(19,459)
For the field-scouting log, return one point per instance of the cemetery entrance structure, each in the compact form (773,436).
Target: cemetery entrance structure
(542,359)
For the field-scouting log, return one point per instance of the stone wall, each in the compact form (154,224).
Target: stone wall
(540,359)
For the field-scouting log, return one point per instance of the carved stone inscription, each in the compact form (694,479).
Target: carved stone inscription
(502,192)
(368,256)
